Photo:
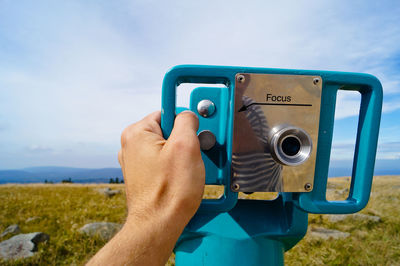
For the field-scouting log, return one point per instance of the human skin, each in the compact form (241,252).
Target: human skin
(164,181)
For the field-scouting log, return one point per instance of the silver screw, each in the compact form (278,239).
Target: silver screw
(316,81)
(241,78)
(235,187)
(308,187)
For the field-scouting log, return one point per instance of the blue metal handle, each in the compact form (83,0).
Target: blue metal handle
(185,74)
(200,74)
(365,149)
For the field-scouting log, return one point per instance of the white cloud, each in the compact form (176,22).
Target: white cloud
(389,150)
(79,72)
(39,148)
(347,104)
(344,150)
(391,106)
(344,36)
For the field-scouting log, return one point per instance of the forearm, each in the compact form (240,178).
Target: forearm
(140,243)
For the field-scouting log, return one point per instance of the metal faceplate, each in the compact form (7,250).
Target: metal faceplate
(275,136)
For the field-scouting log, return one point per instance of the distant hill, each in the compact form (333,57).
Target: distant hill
(87,175)
(56,174)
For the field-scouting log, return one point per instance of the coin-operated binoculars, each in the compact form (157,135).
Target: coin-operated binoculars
(268,130)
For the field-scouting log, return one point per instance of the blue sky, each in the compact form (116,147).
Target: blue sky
(73,74)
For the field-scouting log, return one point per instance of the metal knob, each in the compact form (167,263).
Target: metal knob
(207,140)
(205,108)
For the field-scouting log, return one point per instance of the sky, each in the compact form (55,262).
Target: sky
(74,74)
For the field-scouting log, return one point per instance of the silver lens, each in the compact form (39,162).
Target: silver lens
(290,145)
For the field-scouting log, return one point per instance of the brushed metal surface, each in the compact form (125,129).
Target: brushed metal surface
(263,103)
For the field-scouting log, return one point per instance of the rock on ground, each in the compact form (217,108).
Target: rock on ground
(32,219)
(323,233)
(21,246)
(356,216)
(103,229)
(108,192)
(12,229)
(344,191)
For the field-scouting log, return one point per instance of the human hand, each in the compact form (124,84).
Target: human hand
(164,179)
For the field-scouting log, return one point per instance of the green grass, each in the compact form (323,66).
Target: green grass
(62,209)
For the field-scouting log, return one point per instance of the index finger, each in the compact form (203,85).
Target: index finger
(152,123)
(149,124)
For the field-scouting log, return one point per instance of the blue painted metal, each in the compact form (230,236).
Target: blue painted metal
(252,233)
(366,143)
(214,75)
(229,231)
(215,158)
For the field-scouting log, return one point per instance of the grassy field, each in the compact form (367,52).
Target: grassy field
(59,210)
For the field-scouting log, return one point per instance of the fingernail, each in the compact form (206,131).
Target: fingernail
(188,111)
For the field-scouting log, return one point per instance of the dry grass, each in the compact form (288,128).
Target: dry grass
(62,209)
(369,243)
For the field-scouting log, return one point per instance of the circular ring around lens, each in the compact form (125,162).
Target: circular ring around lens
(291,145)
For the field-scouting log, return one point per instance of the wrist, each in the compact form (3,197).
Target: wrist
(141,241)
(174,215)
(157,223)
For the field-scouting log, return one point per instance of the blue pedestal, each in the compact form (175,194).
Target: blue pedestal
(214,250)
(252,233)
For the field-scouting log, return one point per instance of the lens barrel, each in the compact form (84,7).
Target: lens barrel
(290,145)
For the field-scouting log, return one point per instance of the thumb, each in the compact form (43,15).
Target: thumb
(185,130)
(185,123)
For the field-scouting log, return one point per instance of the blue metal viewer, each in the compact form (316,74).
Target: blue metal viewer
(263,119)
